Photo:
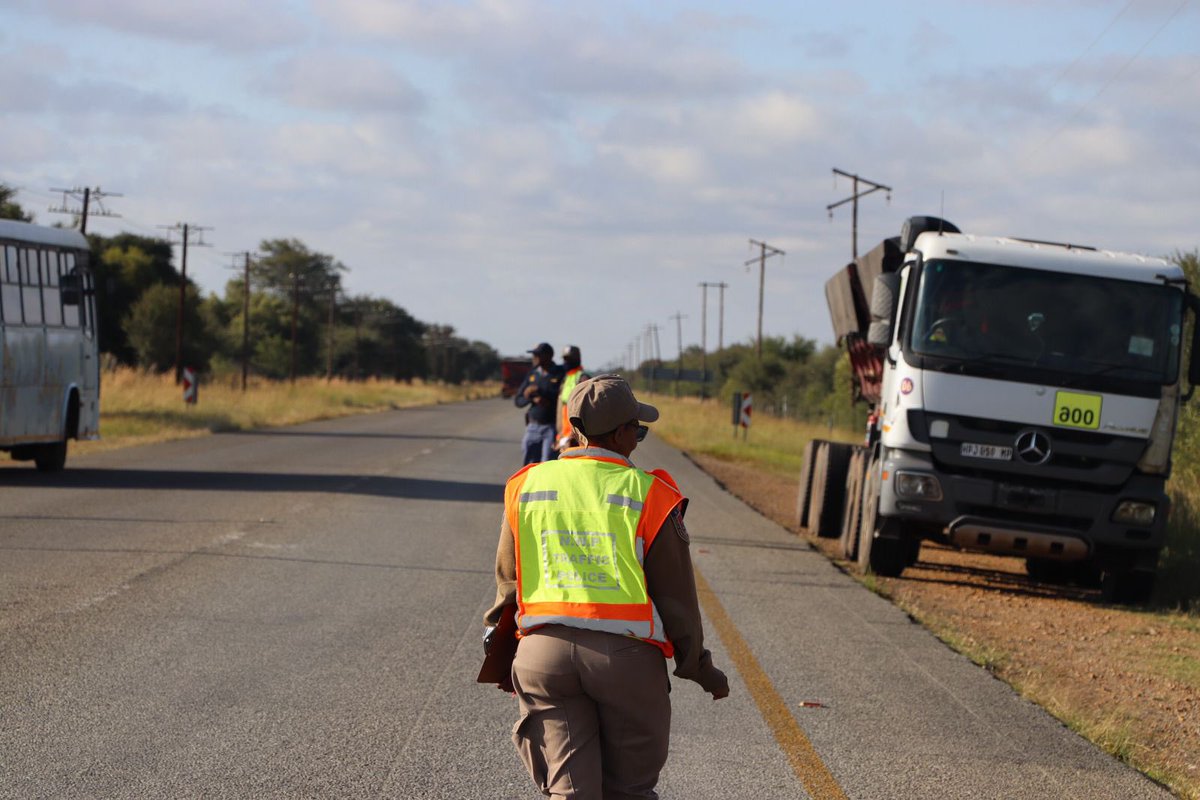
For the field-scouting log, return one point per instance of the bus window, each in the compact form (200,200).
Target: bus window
(72,290)
(51,297)
(10,286)
(31,290)
(88,307)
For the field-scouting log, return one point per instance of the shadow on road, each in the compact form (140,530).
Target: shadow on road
(184,480)
(304,434)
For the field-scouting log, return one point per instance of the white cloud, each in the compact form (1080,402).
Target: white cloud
(221,24)
(329,81)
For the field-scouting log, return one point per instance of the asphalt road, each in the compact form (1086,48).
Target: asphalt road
(296,613)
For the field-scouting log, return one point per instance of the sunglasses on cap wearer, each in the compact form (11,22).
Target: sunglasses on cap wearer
(642,430)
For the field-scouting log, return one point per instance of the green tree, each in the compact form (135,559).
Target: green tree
(289,271)
(10,208)
(151,325)
(125,266)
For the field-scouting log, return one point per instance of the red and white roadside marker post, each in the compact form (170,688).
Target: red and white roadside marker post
(742,405)
(191,387)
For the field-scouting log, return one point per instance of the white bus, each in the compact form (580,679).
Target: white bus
(49,353)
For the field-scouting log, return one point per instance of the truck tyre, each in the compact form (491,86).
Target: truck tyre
(816,491)
(882,547)
(833,489)
(852,516)
(889,554)
(1126,586)
(804,499)
(50,457)
(1049,570)
(868,515)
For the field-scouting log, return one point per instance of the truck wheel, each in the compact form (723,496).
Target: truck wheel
(50,457)
(883,548)
(833,489)
(1048,570)
(816,490)
(912,550)
(868,516)
(804,500)
(852,516)
(1126,586)
(888,555)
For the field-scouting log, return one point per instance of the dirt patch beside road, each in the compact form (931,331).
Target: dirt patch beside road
(1128,680)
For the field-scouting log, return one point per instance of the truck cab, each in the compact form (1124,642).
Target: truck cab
(1025,397)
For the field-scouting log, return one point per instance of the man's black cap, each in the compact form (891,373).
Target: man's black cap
(543,349)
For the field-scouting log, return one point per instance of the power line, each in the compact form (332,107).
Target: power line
(1079,108)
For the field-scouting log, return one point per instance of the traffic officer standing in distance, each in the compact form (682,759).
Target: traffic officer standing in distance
(540,395)
(572,364)
(594,554)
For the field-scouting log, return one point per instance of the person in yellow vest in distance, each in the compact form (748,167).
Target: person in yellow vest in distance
(594,554)
(572,363)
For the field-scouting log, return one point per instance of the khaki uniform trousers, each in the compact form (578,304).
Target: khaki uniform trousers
(595,713)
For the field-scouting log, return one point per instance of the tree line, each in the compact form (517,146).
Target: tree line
(292,320)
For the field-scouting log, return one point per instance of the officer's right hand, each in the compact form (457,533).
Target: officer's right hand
(718,684)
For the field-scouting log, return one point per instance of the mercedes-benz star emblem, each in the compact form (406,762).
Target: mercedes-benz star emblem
(1033,447)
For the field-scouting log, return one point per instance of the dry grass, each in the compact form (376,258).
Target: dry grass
(706,428)
(137,407)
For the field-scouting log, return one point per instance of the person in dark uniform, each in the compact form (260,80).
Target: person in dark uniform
(540,395)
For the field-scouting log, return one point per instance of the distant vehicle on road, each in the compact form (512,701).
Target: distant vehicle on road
(512,374)
(49,353)
(1023,399)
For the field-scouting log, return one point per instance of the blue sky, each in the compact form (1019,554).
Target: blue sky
(570,172)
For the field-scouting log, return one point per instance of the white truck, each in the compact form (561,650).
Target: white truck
(1023,399)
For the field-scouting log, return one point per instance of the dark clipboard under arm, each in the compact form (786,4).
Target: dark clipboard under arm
(497,664)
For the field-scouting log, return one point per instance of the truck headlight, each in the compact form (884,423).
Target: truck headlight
(1135,512)
(917,486)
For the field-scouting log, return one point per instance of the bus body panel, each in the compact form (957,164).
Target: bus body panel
(49,355)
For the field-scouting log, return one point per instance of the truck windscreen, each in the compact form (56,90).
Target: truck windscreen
(1042,326)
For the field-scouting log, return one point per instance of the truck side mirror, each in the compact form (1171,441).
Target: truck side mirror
(884,296)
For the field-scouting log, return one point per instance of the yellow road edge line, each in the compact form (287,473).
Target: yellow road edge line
(809,768)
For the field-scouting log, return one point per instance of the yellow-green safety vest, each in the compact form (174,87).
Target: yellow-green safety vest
(582,526)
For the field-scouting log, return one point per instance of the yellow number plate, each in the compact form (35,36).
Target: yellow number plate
(1073,410)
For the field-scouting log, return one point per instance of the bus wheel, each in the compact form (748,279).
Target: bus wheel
(51,457)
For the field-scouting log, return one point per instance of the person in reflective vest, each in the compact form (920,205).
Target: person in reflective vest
(593,553)
(572,362)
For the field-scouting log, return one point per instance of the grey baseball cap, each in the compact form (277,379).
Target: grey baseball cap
(602,404)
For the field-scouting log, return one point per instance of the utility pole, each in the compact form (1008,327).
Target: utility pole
(721,319)
(853,198)
(703,335)
(762,273)
(245,317)
(186,238)
(679,317)
(333,290)
(704,329)
(84,196)
(295,321)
